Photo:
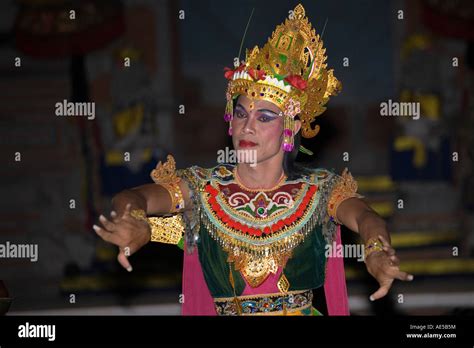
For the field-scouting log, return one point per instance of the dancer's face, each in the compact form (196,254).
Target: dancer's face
(259,128)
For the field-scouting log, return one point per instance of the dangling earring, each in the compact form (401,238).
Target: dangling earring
(292,108)
(288,133)
(228,116)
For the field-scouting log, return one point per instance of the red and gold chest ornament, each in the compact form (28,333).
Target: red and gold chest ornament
(260,228)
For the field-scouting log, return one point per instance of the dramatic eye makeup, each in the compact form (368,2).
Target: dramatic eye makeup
(265,115)
(239,111)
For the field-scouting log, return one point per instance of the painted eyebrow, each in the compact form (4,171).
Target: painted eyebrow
(267,110)
(264,110)
(241,107)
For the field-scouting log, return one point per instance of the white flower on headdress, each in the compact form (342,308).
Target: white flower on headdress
(292,108)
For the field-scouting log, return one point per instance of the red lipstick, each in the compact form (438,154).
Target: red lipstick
(245,143)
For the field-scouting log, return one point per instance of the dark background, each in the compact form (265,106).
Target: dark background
(422,54)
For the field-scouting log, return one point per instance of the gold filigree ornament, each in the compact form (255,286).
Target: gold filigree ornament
(290,68)
(283,284)
(256,268)
(345,188)
(166,176)
(165,173)
(168,229)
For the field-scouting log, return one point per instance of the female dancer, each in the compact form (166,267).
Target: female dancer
(255,234)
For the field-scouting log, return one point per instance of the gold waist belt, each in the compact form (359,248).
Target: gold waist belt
(292,302)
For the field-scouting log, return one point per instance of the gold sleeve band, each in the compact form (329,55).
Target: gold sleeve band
(345,188)
(169,230)
(165,175)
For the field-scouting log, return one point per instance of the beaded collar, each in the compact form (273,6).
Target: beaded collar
(259,229)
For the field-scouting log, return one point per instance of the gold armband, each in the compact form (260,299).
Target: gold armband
(177,201)
(165,175)
(169,230)
(372,245)
(345,188)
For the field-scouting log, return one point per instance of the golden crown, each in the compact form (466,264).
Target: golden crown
(289,71)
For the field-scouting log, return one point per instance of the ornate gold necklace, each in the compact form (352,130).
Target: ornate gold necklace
(280,182)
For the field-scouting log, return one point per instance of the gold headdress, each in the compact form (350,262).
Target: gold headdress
(289,71)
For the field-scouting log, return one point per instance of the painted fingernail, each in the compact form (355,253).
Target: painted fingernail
(129,269)
(95,227)
(102,217)
(113,213)
(410,277)
(371,298)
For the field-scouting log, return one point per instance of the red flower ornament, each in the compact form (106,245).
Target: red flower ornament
(297,81)
(228,72)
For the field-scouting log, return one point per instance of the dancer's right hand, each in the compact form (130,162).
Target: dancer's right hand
(125,231)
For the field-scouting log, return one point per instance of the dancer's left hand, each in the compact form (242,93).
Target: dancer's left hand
(384,266)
